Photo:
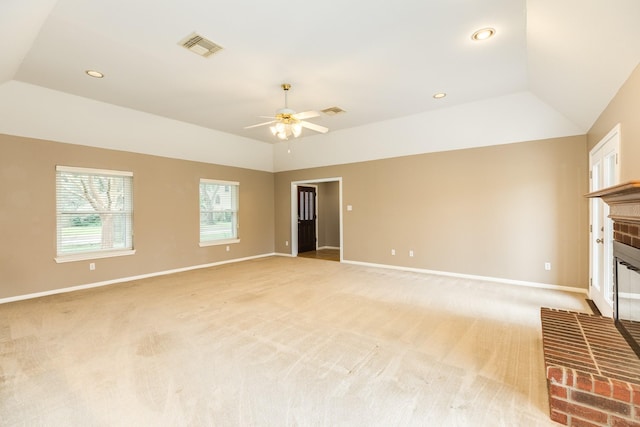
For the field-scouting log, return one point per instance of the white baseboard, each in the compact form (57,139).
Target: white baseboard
(128,279)
(329,247)
(473,277)
(283,254)
(365,264)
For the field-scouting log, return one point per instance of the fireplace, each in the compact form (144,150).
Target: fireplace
(593,362)
(624,210)
(627,293)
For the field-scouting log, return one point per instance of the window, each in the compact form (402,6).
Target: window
(218,212)
(94,211)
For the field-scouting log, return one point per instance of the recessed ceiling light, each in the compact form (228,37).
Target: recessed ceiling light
(94,73)
(439,95)
(483,34)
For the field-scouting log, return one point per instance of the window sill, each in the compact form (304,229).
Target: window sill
(93,255)
(219,242)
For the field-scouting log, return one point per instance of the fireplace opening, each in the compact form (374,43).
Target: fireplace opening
(627,293)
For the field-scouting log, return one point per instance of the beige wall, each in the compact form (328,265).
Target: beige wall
(329,214)
(500,211)
(166,221)
(624,108)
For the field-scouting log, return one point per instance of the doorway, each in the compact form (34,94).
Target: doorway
(335,211)
(307,216)
(603,172)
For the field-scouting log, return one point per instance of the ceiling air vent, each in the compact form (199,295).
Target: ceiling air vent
(198,44)
(332,111)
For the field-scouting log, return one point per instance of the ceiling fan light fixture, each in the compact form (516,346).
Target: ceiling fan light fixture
(296,129)
(286,128)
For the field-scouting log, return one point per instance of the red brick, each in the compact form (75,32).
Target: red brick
(559,417)
(607,405)
(621,391)
(583,381)
(621,422)
(555,374)
(636,394)
(603,388)
(558,391)
(577,422)
(578,410)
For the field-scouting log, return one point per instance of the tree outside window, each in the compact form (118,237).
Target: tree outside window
(94,210)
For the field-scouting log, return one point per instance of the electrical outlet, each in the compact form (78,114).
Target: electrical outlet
(228,249)
(547,266)
(411,253)
(393,251)
(286,243)
(92,266)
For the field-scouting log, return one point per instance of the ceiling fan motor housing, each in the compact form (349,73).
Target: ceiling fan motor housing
(286,115)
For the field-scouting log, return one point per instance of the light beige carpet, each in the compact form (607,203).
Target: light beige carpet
(279,342)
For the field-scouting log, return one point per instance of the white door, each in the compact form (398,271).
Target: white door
(604,172)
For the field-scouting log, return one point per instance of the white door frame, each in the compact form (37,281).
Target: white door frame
(601,234)
(294,211)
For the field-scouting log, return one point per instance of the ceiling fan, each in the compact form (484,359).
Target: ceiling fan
(288,123)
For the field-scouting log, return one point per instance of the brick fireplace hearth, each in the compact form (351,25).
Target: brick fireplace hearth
(593,376)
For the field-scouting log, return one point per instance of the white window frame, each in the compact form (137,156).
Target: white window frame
(236,211)
(93,254)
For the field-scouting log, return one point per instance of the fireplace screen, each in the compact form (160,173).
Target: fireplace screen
(627,291)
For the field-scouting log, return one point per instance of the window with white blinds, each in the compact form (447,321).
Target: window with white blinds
(218,212)
(94,213)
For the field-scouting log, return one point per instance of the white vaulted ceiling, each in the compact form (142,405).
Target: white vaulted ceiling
(378,60)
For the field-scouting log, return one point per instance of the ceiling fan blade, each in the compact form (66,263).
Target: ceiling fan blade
(260,124)
(306,115)
(315,127)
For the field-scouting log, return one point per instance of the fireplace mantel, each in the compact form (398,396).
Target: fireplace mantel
(624,210)
(620,190)
(623,201)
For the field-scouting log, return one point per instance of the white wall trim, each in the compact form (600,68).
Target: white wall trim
(284,254)
(329,247)
(128,279)
(472,277)
(93,255)
(294,210)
